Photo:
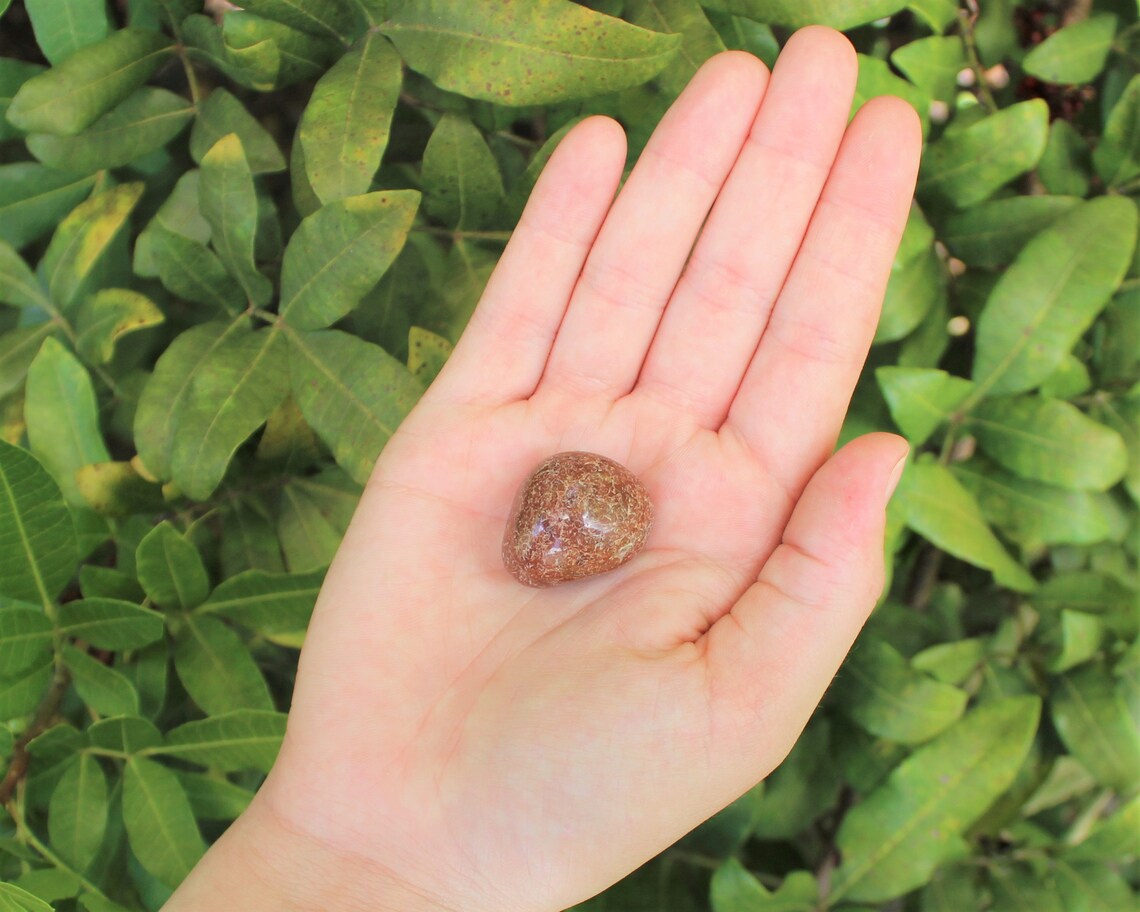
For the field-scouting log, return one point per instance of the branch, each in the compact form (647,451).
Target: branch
(45,713)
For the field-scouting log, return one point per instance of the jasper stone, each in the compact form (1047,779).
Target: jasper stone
(576,515)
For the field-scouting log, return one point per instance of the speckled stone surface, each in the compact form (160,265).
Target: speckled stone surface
(576,515)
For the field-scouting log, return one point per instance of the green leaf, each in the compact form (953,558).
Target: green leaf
(462,184)
(1051,441)
(77,814)
(33,198)
(344,130)
(1091,887)
(876,78)
(339,253)
(25,638)
(117,489)
(249,540)
(18,348)
(193,272)
(240,382)
(62,28)
(352,393)
(214,798)
(558,51)
(107,316)
(217,669)
(312,518)
(81,239)
(145,122)
(941,510)
(73,95)
(272,54)
(110,623)
(36,530)
(221,114)
(169,385)
(1051,294)
(246,739)
(63,416)
(106,690)
(801,788)
(13,74)
(1018,888)
(1075,53)
(18,284)
(952,662)
(1092,718)
(880,691)
(839,14)
(933,63)
(427,353)
(699,39)
(1075,640)
(966,166)
(274,605)
(160,824)
(921,399)
(334,19)
(1066,167)
(170,568)
(1033,513)
(16,899)
(991,234)
(1117,155)
(734,889)
(108,582)
(1111,838)
(128,734)
(894,839)
(23,692)
(228,202)
(179,214)
(1071,378)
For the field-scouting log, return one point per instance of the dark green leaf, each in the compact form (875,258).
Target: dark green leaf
(18,284)
(699,39)
(178,214)
(272,54)
(213,798)
(1075,53)
(1117,155)
(462,184)
(23,692)
(25,639)
(193,272)
(217,669)
(221,114)
(18,348)
(274,605)
(159,821)
(1092,718)
(13,74)
(62,28)
(246,739)
(77,815)
(100,686)
(558,51)
(839,14)
(170,568)
(110,623)
(313,516)
(991,234)
(33,198)
(332,19)
(128,734)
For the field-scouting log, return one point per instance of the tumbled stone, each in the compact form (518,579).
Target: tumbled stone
(576,515)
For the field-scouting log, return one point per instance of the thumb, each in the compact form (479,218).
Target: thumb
(784,640)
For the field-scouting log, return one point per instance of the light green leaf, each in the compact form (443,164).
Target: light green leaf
(876,78)
(1091,887)
(169,385)
(160,824)
(107,316)
(193,272)
(63,416)
(13,74)
(110,623)
(839,14)
(18,348)
(36,530)
(1117,155)
(916,287)
(557,52)
(221,114)
(117,489)
(921,399)
(170,568)
(49,884)
(18,284)
(339,253)
(933,63)
(217,669)
(1017,889)
(33,199)
(1049,440)
(81,239)
(894,839)
(246,739)
(940,509)
(77,814)
(991,234)
(735,889)
(62,28)
(352,393)
(966,166)
(16,899)
(228,201)
(1112,838)
(312,517)
(951,662)
(1092,718)
(1071,378)
(427,353)
(128,734)
(1066,167)
(23,692)
(330,19)
(272,54)
(274,605)
(1051,294)
(880,691)
(1074,53)
(25,638)
(105,689)
(462,184)
(699,39)
(73,95)
(93,902)
(344,129)
(240,382)
(145,122)
(1076,639)
(213,798)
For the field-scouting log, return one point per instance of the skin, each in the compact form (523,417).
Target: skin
(459,741)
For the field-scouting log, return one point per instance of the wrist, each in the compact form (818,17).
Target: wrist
(260,864)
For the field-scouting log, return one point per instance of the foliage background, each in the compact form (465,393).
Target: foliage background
(234,247)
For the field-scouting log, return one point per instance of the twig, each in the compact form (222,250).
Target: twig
(46,711)
(966,20)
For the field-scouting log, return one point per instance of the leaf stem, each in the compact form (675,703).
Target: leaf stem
(45,712)
(966,20)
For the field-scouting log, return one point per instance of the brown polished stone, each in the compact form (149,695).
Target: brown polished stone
(576,515)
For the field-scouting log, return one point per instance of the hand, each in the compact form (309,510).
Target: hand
(459,741)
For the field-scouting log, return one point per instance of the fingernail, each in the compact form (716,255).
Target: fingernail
(896,474)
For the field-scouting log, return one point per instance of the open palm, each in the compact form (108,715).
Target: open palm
(499,747)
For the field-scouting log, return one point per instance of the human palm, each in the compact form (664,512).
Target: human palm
(493,746)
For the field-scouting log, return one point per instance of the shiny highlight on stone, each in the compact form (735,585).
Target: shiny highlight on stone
(576,515)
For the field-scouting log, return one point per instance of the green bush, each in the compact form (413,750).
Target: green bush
(220,300)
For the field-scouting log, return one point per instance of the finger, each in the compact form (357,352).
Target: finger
(649,231)
(793,398)
(718,311)
(773,655)
(524,301)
